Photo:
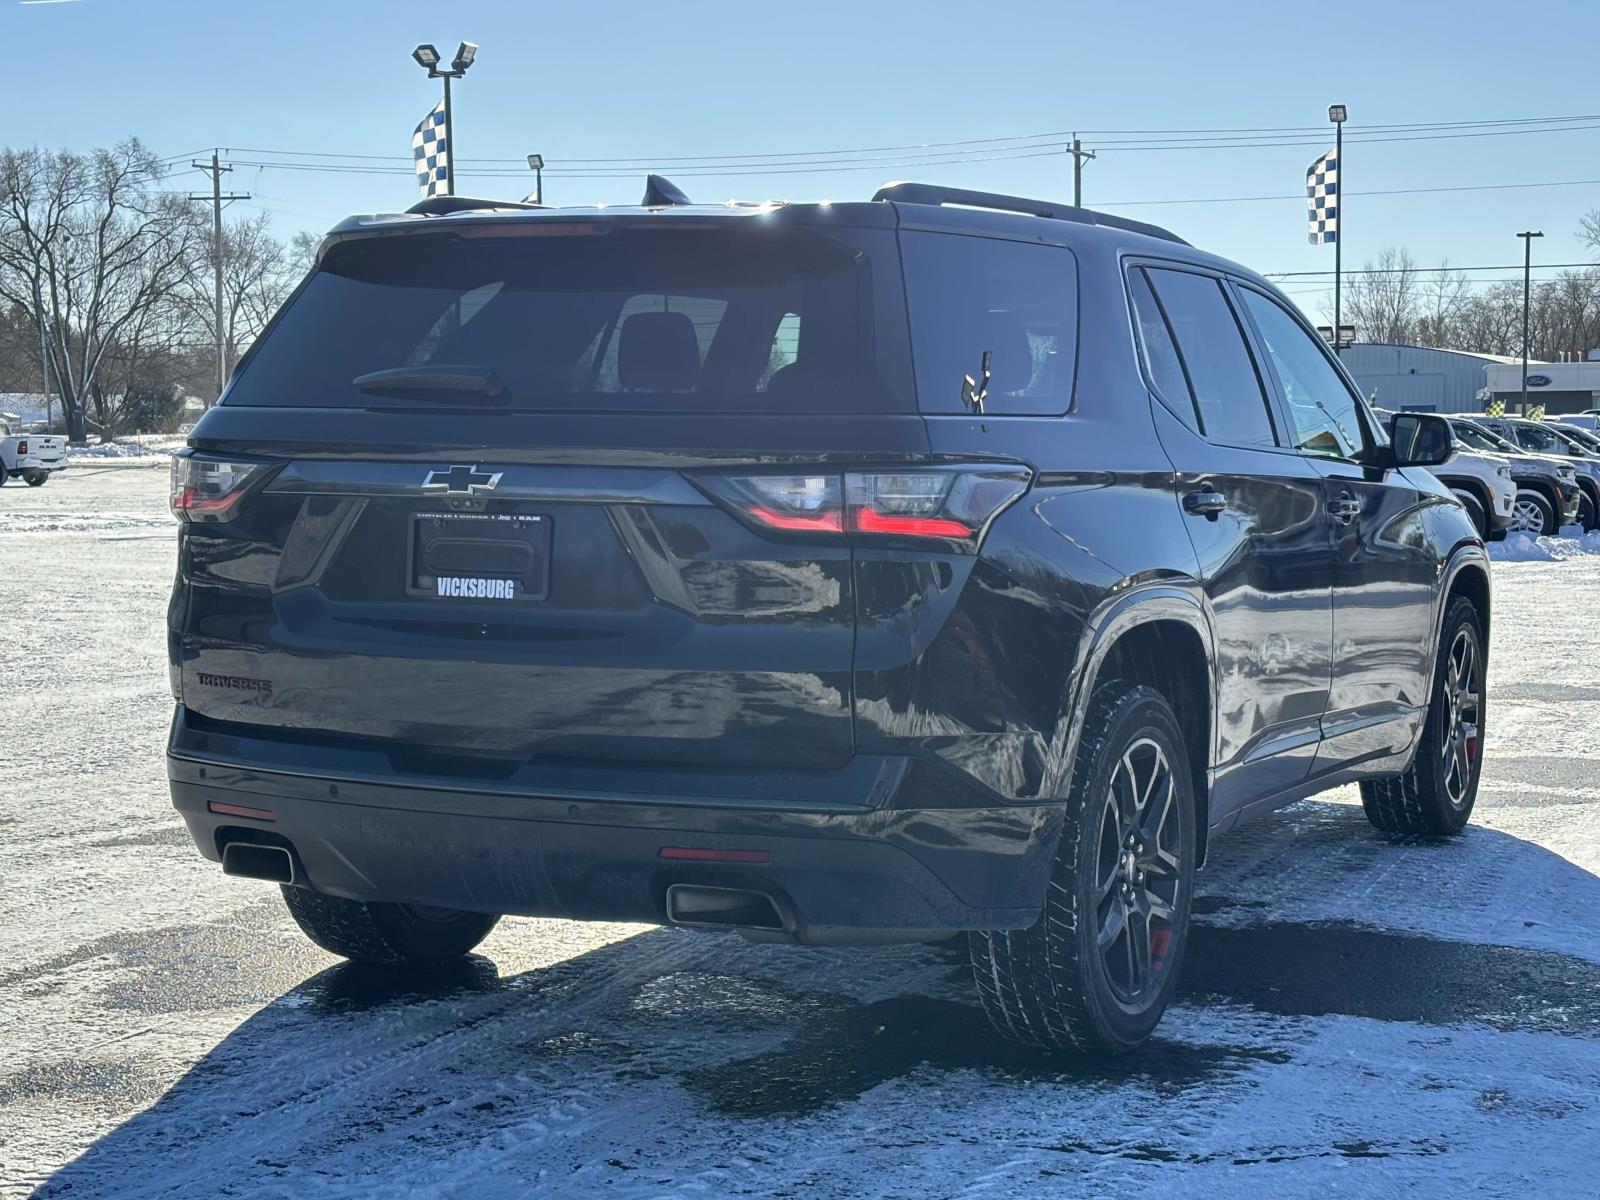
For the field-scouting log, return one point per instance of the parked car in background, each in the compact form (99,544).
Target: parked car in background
(1547,488)
(1585,437)
(30,457)
(835,574)
(1539,437)
(1589,419)
(1480,480)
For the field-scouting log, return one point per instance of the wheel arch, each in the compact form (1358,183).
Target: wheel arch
(1469,577)
(1543,488)
(1160,637)
(1474,487)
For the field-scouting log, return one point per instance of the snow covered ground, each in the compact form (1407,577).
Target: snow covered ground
(1361,1016)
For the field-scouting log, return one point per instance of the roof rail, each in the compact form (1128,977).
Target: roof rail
(933,193)
(439,206)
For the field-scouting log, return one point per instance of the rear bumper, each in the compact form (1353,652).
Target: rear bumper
(836,874)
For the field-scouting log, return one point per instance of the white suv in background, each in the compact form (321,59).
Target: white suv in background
(1481,481)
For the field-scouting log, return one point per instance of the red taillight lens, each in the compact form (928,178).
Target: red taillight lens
(953,504)
(948,504)
(22,448)
(791,503)
(208,489)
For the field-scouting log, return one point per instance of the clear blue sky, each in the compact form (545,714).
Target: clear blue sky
(687,78)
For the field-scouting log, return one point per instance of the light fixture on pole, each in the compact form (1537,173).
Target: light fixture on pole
(427,57)
(1527,291)
(536,165)
(1337,114)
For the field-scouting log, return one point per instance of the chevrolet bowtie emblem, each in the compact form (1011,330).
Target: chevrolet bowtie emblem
(461,479)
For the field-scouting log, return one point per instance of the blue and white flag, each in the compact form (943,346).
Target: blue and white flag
(432,154)
(1322,200)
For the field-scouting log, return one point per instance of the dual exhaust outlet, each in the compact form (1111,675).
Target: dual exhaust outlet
(687,904)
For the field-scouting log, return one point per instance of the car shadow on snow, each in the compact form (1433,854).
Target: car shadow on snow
(668,1027)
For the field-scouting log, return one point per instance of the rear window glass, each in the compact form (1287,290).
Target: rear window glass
(1017,300)
(630,320)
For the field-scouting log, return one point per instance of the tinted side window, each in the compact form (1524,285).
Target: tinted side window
(1017,300)
(1227,390)
(1326,418)
(1161,353)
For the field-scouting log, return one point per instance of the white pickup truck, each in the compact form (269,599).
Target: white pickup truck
(30,457)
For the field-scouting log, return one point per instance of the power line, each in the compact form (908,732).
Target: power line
(1054,139)
(1418,191)
(1431,270)
(975,150)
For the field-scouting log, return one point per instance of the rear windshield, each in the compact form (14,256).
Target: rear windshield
(605,318)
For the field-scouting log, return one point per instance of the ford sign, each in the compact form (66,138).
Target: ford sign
(1538,381)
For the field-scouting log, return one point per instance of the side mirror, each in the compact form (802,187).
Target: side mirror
(1421,439)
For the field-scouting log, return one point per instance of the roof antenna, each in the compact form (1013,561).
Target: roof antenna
(662,192)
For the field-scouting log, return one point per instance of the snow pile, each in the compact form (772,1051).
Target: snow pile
(115,450)
(1571,542)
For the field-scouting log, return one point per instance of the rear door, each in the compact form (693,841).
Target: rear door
(570,524)
(1255,516)
(1386,566)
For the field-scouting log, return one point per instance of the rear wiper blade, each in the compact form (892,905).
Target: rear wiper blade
(439,382)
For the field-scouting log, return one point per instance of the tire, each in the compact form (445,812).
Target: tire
(1050,985)
(1531,513)
(1474,507)
(1438,790)
(1588,517)
(386,934)
(35,478)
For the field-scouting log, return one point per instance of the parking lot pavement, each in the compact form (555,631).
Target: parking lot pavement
(1362,1016)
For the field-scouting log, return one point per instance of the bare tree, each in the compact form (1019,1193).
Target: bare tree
(258,273)
(92,250)
(1589,229)
(1442,300)
(1384,302)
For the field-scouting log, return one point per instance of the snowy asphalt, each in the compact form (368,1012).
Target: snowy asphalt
(1362,1016)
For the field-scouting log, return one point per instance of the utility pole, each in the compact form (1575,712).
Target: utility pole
(44,354)
(1079,157)
(1527,295)
(215,169)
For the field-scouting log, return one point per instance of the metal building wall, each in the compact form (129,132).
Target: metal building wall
(1417,377)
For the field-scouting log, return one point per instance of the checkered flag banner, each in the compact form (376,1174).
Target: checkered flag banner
(432,154)
(1322,200)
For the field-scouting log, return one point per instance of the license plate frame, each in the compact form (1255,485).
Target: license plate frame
(437,535)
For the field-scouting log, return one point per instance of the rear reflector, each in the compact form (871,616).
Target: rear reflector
(700,854)
(240,810)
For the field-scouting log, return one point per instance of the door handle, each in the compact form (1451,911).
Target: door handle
(1204,504)
(1344,509)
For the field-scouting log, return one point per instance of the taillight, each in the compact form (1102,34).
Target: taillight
(22,448)
(953,505)
(209,489)
(793,503)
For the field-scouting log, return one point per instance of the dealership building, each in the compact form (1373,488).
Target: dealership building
(1425,379)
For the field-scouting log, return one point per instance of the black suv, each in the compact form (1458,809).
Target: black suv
(837,574)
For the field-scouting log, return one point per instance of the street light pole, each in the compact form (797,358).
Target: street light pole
(428,58)
(1527,293)
(1337,114)
(536,165)
(449,140)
